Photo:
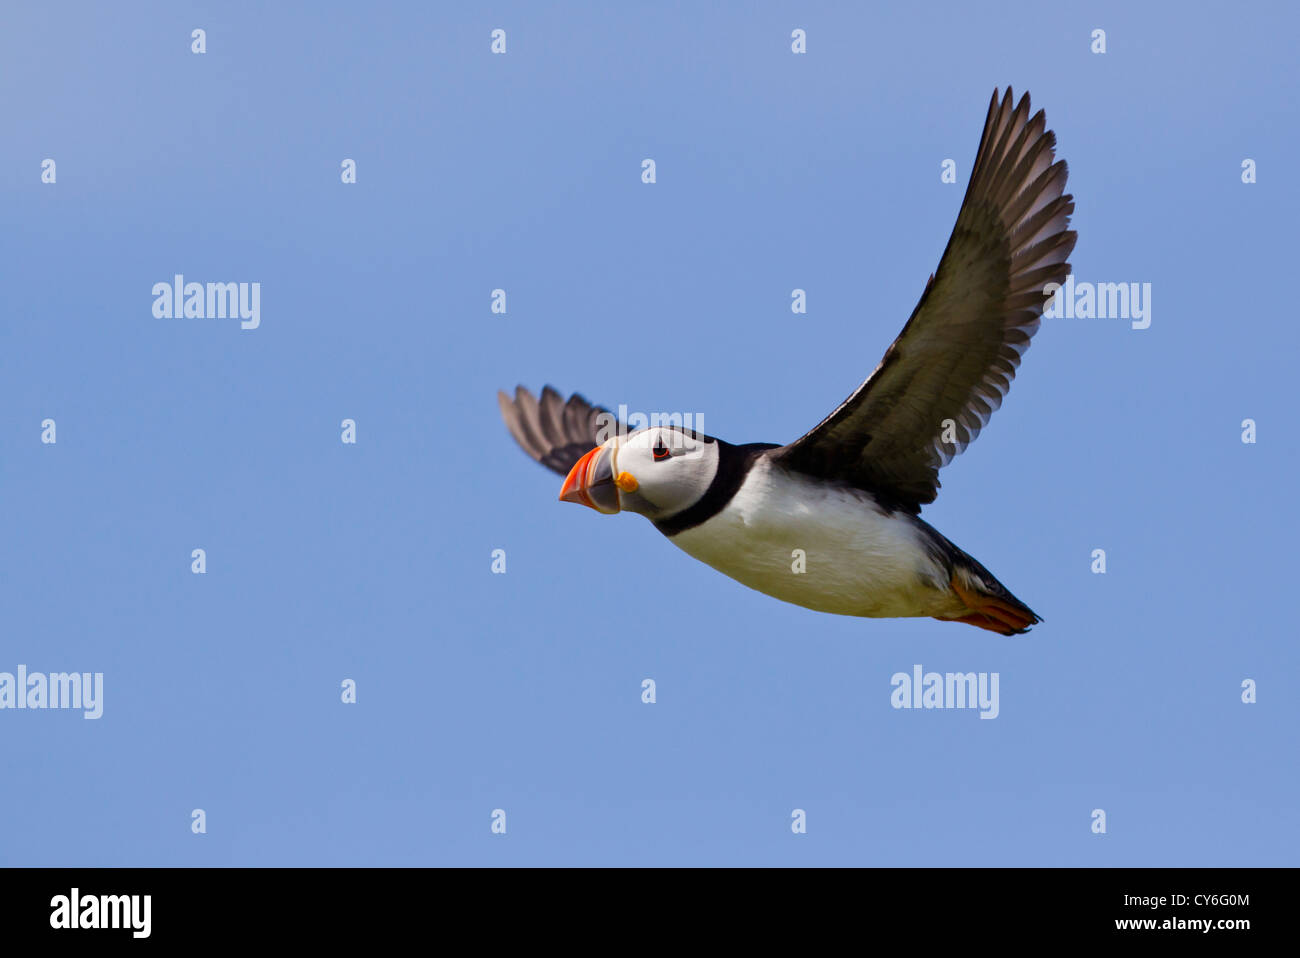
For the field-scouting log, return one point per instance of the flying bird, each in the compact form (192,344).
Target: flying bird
(849,492)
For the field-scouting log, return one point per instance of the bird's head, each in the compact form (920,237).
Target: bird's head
(657,472)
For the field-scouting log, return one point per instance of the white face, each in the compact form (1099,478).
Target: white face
(672,470)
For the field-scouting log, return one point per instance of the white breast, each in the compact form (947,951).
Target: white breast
(857,558)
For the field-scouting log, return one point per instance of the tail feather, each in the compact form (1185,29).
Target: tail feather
(984,601)
(991,605)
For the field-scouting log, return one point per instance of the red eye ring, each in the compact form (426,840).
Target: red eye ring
(660,451)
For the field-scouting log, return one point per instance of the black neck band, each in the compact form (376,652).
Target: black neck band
(734,463)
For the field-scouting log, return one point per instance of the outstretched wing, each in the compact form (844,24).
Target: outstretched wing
(554,432)
(953,363)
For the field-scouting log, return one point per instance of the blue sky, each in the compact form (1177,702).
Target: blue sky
(522,691)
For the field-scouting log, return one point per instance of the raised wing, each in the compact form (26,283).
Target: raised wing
(952,364)
(554,432)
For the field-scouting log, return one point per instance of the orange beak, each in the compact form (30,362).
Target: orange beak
(591,482)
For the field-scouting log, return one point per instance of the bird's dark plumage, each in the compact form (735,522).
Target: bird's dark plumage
(952,364)
(554,432)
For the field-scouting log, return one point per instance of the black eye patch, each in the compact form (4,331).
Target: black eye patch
(660,451)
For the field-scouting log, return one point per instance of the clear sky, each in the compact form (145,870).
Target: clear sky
(372,561)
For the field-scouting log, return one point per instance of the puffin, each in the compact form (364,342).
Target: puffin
(831,521)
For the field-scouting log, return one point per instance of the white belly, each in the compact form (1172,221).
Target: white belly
(856,559)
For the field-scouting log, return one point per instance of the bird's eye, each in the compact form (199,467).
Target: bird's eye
(660,451)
